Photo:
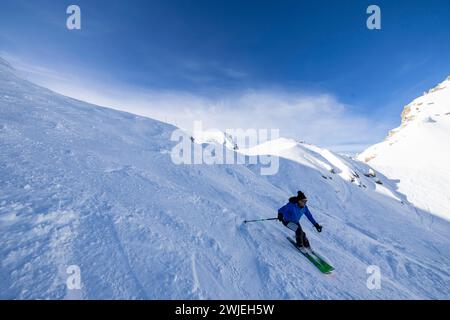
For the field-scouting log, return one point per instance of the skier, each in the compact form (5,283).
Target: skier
(290,215)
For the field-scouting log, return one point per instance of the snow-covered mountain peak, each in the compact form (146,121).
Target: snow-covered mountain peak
(431,111)
(432,104)
(417,153)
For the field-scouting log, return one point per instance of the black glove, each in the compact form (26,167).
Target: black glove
(280,216)
(318,227)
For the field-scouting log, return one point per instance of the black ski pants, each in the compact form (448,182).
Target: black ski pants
(300,235)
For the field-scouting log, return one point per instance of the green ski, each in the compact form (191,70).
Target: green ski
(314,258)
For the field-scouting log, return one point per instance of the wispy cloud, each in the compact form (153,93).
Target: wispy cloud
(32,71)
(316,118)
(209,72)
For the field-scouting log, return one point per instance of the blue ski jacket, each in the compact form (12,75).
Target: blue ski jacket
(292,212)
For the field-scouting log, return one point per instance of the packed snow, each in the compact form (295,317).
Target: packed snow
(96,188)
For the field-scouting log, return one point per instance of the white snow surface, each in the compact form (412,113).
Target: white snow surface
(96,188)
(417,154)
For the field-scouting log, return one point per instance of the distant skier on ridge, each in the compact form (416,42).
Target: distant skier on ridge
(290,215)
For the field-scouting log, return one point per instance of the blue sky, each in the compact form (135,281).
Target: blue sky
(310,68)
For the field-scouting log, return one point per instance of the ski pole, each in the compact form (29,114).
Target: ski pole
(245,221)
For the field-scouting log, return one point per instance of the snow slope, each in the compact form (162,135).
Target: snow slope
(94,187)
(417,153)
